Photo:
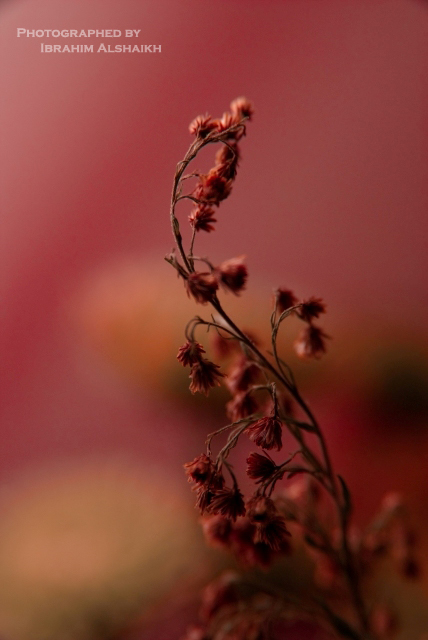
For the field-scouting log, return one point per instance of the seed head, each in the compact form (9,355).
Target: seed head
(228,502)
(201,126)
(311,342)
(311,309)
(202,286)
(189,353)
(242,108)
(266,433)
(213,187)
(233,274)
(202,218)
(284,299)
(204,374)
(200,470)
(259,467)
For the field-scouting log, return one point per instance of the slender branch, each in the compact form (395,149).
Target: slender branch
(280,372)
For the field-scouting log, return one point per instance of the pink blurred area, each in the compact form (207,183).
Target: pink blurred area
(331,199)
(334,170)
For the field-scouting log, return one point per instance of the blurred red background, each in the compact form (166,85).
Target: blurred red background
(331,200)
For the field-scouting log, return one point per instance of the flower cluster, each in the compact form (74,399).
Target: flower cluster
(231,275)
(256,538)
(216,185)
(310,342)
(204,374)
(314,503)
(212,494)
(231,610)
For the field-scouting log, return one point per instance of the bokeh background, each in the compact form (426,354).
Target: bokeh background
(331,200)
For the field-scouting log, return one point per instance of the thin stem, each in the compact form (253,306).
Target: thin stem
(208,441)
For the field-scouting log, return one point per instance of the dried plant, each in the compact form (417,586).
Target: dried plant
(301,498)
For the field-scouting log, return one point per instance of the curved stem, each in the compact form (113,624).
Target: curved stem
(278,373)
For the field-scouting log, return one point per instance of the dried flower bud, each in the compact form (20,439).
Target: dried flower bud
(205,493)
(284,299)
(228,502)
(260,467)
(202,218)
(204,375)
(242,108)
(227,160)
(189,353)
(242,375)
(213,187)
(311,309)
(204,497)
(241,406)
(310,343)
(202,286)
(200,470)
(274,533)
(260,509)
(201,126)
(227,122)
(233,274)
(266,433)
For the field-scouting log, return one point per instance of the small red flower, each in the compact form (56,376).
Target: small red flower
(206,492)
(310,343)
(204,374)
(274,533)
(311,309)
(259,467)
(266,433)
(213,187)
(204,497)
(228,502)
(241,406)
(200,470)
(189,353)
(270,528)
(260,509)
(284,299)
(201,126)
(227,124)
(233,274)
(242,108)
(202,218)
(202,286)
(227,160)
